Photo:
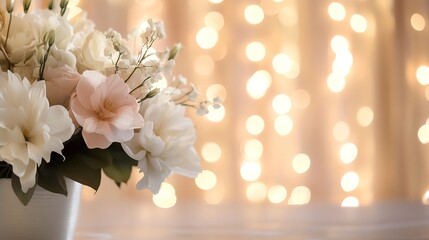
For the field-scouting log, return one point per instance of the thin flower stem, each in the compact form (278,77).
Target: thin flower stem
(140,85)
(184,95)
(143,57)
(7,37)
(42,67)
(117,61)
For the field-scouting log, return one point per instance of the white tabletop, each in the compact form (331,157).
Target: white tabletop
(136,220)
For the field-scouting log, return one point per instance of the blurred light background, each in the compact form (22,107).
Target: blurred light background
(324,101)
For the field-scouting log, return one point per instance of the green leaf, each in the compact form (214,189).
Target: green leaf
(96,158)
(5,170)
(23,197)
(51,178)
(120,168)
(76,168)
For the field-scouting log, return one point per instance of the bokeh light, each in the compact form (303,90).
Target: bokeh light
(339,44)
(358,23)
(250,171)
(255,124)
(207,37)
(255,51)
(423,134)
(301,163)
(350,202)
(166,197)
(282,104)
(348,153)
(258,84)
(299,196)
(282,63)
(341,131)
(422,75)
(364,116)
(206,180)
(211,152)
(253,149)
(215,114)
(277,194)
(283,125)
(254,14)
(336,83)
(418,22)
(214,20)
(336,11)
(350,181)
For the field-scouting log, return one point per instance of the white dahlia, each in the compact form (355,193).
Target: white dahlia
(30,130)
(165,144)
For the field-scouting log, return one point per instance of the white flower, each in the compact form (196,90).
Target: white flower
(165,144)
(92,54)
(29,129)
(28,30)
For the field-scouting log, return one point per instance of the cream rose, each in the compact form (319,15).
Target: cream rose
(91,56)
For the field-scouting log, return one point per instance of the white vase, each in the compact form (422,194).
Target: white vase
(47,216)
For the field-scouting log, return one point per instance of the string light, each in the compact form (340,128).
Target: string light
(207,37)
(341,131)
(364,116)
(348,152)
(166,197)
(211,152)
(358,23)
(350,202)
(255,124)
(254,14)
(301,163)
(349,181)
(277,194)
(418,22)
(255,51)
(206,180)
(273,84)
(336,11)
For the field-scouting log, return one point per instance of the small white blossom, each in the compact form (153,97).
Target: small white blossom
(202,109)
(217,103)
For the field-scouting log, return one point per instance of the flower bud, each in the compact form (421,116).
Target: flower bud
(9,5)
(26,5)
(51,5)
(64,3)
(51,37)
(175,51)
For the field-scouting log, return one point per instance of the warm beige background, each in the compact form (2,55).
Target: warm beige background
(392,163)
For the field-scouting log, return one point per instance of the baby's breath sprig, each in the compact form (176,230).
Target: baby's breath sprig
(143,54)
(119,45)
(188,97)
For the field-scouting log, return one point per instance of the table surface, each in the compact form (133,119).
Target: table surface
(133,220)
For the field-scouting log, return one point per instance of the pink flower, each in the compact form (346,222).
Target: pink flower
(105,110)
(60,84)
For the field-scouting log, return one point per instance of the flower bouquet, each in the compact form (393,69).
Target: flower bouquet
(76,102)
